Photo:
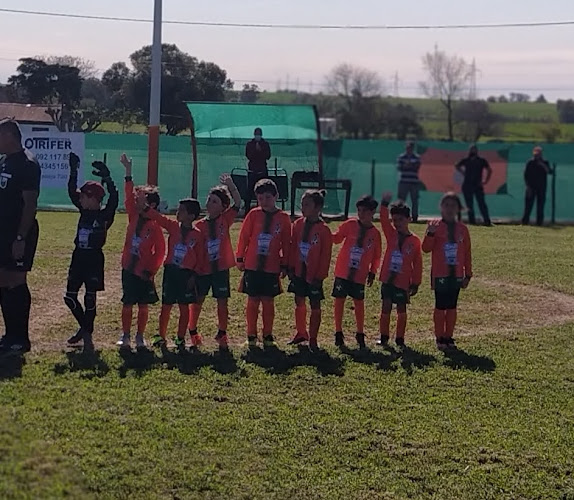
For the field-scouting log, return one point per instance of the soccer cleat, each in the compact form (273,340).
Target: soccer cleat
(140,341)
(450,343)
(400,342)
(298,339)
(125,341)
(313,345)
(252,341)
(361,340)
(88,342)
(76,338)
(180,343)
(383,341)
(268,341)
(2,341)
(196,340)
(14,349)
(222,340)
(158,341)
(441,344)
(339,339)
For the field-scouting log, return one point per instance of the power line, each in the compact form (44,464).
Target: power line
(536,24)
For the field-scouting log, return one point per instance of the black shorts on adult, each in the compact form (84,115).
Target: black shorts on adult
(7,262)
(137,290)
(218,283)
(343,288)
(301,288)
(176,287)
(260,284)
(87,268)
(395,295)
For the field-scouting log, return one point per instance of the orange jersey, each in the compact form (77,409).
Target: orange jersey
(451,253)
(184,247)
(217,242)
(361,252)
(144,247)
(403,261)
(264,241)
(311,246)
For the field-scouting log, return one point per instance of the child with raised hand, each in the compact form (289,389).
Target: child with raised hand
(358,261)
(263,255)
(143,254)
(448,240)
(309,262)
(402,270)
(87,266)
(219,257)
(185,256)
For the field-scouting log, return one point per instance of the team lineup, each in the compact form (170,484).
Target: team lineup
(199,256)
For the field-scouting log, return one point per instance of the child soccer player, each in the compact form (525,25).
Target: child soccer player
(449,242)
(214,272)
(357,263)
(309,262)
(143,254)
(263,255)
(184,257)
(87,266)
(402,270)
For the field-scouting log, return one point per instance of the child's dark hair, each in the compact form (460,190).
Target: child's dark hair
(12,127)
(191,205)
(151,195)
(317,195)
(368,202)
(401,208)
(451,195)
(222,193)
(266,186)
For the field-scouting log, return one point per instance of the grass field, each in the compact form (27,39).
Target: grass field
(492,421)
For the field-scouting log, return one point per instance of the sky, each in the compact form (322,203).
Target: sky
(530,60)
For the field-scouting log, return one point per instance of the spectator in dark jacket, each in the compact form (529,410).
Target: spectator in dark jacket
(535,177)
(258,152)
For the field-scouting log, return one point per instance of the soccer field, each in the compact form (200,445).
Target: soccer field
(492,421)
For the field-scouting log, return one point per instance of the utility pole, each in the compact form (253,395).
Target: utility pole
(155,97)
(472,91)
(396,84)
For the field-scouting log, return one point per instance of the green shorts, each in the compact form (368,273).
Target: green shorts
(343,288)
(260,284)
(218,283)
(447,284)
(136,290)
(394,294)
(175,286)
(302,288)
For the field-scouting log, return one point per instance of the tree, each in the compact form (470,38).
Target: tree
(95,93)
(551,132)
(448,79)
(503,99)
(249,93)
(541,99)
(565,110)
(401,121)
(491,99)
(519,97)
(86,66)
(475,120)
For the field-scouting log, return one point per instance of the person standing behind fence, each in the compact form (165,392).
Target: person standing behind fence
(409,164)
(258,152)
(471,168)
(535,177)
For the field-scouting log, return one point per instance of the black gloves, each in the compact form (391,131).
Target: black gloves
(74,163)
(100,169)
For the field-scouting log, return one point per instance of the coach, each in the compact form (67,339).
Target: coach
(20,176)
(408,165)
(258,152)
(536,177)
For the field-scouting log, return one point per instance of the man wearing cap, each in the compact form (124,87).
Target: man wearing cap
(258,152)
(535,177)
(409,164)
(20,176)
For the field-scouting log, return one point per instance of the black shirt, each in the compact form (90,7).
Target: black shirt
(473,170)
(258,156)
(535,174)
(19,172)
(93,224)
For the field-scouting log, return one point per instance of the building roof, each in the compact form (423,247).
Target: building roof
(25,113)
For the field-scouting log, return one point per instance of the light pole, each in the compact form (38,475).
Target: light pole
(155,97)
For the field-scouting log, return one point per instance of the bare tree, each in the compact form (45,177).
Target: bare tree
(448,79)
(87,67)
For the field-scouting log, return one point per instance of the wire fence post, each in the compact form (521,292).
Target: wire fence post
(553,217)
(373,164)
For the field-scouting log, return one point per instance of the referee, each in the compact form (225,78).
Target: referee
(20,176)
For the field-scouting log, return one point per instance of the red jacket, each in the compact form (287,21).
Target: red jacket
(311,259)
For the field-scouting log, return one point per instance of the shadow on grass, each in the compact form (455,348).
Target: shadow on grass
(11,367)
(458,359)
(90,364)
(139,361)
(412,359)
(382,359)
(190,362)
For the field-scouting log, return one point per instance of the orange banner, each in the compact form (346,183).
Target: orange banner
(438,174)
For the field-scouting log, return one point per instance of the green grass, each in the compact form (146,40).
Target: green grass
(493,421)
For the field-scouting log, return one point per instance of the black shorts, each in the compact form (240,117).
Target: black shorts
(86,268)
(25,265)
(136,290)
(343,288)
(446,292)
(395,295)
(302,288)
(175,286)
(218,283)
(260,284)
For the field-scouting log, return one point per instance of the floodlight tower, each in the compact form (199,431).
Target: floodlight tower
(155,97)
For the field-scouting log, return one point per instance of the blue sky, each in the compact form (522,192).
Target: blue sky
(535,60)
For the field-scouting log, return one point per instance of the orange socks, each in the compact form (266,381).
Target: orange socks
(268,316)
(164,320)
(450,322)
(314,323)
(143,315)
(439,318)
(401,325)
(339,310)
(301,319)
(222,314)
(127,313)
(251,316)
(385,324)
(360,315)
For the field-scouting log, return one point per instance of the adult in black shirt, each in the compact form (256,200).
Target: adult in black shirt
(258,152)
(472,168)
(535,177)
(20,176)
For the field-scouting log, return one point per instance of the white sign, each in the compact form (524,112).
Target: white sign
(52,150)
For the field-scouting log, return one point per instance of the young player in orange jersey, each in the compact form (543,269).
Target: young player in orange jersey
(214,272)
(309,262)
(357,263)
(263,255)
(402,270)
(449,242)
(184,257)
(143,254)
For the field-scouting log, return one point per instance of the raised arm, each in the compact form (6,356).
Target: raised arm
(429,240)
(169,224)
(227,180)
(129,201)
(102,170)
(73,180)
